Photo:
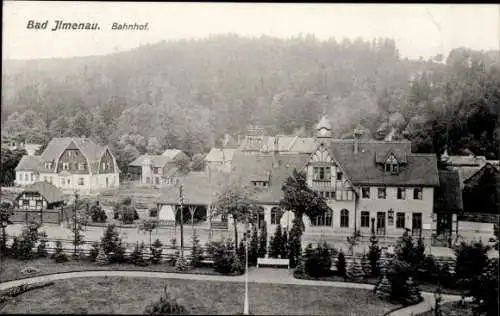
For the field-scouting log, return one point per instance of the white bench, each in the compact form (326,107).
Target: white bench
(273,262)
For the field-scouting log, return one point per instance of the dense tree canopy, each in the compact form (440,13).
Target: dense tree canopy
(188,94)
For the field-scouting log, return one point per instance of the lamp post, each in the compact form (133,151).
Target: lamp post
(247,234)
(181,198)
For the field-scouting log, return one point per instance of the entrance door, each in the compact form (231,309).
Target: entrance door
(416,224)
(381,223)
(444,223)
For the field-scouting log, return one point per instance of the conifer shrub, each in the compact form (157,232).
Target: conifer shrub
(341,264)
(262,251)
(366,265)
(355,271)
(383,289)
(59,256)
(101,258)
(276,243)
(166,305)
(412,291)
(156,251)
(94,251)
(196,250)
(318,261)
(254,248)
(374,252)
(42,246)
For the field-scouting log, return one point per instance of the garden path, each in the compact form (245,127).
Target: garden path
(260,275)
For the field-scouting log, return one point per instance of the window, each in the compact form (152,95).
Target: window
(26,177)
(80,181)
(155,170)
(416,223)
(327,194)
(157,180)
(365,219)
(400,220)
(344,218)
(339,175)
(381,193)
(390,217)
(275,216)
(365,192)
(417,193)
(322,174)
(32,177)
(391,164)
(401,193)
(81,167)
(39,204)
(324,219)
(26,203)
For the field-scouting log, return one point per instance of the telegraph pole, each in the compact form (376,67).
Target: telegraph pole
(181,197)
(247,234)
(74,225)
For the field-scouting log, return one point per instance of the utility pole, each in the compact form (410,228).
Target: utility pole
(74,225)
(181,197)
(247,234)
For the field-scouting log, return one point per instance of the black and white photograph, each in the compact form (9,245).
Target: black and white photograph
(212,158)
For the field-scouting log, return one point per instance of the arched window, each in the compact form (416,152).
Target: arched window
(391,164)
(344,218)
(324,219)
(276,214)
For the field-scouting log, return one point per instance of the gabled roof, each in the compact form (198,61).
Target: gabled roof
(199,188)
(49,191)
(155,160)
(324,122)
(171,153)
(220,154)
(29,163)
(90,149)
(448,196)
(421,169)
(477,173)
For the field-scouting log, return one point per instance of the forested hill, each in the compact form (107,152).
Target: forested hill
(187,94)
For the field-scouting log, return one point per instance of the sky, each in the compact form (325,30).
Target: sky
(418,29)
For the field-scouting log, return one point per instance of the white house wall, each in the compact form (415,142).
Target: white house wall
(166,213)
(26,177)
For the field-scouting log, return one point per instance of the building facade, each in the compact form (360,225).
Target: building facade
(161,169)
(71,164)
(370,186)
(39,196)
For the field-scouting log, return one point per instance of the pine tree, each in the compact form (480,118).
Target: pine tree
(270,251)
(355,271)
(175,256)
(181,264)
(295,244)
(284,245)
(277,242)
(374,255)
(413,292)
(196,250)
(156,251)
(341,265)
(367,267)
(102,258)
(59,255)
(383,288)
(262,251)
(254,248)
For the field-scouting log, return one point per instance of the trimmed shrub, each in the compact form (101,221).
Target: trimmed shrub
(295,244)
(355,271)
(224,256)
(42,246)
(262,251)
(59,256)
(276,243)
(94,251)
(284,245)
(366,265)
(181,264)
(166,305)
(383,289)
(112,245)
(137,256)
(97,214)
(254,248)
(374,252)
(102,258)
(341,265)
(156,251)
(317,261)
(153,212)
(413,295)
(470,262)
(398,273)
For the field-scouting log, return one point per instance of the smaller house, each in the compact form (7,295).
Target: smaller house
(40,195)
(27,171)
(220,159)
(160,169)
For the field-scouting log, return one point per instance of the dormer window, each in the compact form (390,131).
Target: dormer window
(262,184)
(391,165)
(322,174)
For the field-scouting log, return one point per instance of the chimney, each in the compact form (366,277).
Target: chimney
(275,152)
(357,135)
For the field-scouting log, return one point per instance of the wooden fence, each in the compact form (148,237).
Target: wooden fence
(43,216)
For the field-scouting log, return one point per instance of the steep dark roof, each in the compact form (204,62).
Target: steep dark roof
(29,163)
(361,168)
(49,191)
(448,196)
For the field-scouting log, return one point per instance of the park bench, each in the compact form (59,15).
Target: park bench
(273,262)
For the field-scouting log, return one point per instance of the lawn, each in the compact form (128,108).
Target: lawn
(451,309)
(118,295)
(424,286)
(11,268)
